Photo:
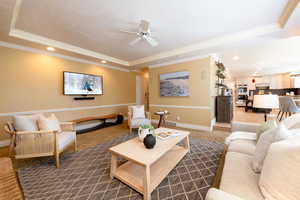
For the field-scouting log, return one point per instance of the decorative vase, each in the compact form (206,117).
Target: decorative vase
(149,141)
(143,133)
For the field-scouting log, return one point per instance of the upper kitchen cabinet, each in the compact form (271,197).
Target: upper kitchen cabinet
(278,81)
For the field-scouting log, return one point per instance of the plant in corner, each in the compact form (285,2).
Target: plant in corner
(220,73)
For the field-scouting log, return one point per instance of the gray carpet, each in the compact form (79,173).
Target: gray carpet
(85,175)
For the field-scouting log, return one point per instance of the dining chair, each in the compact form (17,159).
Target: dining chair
(287,107)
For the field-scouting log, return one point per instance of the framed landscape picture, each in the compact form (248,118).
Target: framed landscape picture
(175,84)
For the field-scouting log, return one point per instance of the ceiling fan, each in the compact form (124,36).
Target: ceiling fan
(143,33)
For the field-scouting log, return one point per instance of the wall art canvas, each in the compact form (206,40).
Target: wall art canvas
(175,84)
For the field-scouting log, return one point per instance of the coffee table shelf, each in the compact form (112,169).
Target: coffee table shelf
(132,174)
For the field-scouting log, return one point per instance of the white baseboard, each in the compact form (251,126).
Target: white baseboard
(185,125)
(4,143)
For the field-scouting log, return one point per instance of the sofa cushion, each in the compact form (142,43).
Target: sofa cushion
(215,194)
(65,139)
(280,174)
(26,122)
(242,146)
(140,121)
(238,178)
(266,126)
(138,112)
(50,123)
(264,142)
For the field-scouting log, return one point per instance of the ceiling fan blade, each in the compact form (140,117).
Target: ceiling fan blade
(144,26)
(133,42)
(151,41)
(130,32)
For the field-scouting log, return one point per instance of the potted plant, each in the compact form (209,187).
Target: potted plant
(145,130)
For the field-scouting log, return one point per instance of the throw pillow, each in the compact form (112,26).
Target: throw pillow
(266,126)
(264,142)
(279,178)
(49,123)
(26,122)
(138,112)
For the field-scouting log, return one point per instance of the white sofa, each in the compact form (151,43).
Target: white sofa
(239,181)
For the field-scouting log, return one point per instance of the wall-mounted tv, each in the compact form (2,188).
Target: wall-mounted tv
(82,84)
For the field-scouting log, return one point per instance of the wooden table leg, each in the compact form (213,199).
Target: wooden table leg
(113,165)
(186,142)
(160,121)
(147,192)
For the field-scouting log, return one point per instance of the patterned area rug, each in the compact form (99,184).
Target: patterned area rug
(85,175)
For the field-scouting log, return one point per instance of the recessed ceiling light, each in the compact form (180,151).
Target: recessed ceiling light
(104,61)
(236,58)
(50,49)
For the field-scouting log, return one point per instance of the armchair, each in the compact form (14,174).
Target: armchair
(137,122)
(29,144)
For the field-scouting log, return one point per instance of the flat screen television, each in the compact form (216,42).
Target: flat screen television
(82,84)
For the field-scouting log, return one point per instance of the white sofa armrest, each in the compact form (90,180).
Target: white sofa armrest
(215,194)
(245,126)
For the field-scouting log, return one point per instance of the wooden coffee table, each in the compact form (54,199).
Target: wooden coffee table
(146,168)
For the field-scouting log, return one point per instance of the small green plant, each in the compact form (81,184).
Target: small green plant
(146,126)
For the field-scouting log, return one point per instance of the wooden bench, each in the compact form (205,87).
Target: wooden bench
(87,124)
(9,185)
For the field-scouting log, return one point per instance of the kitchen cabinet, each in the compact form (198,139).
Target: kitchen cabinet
(278,81)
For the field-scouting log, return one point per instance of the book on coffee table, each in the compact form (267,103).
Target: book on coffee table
(165,133)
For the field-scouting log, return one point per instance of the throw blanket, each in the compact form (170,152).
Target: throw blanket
(240,135)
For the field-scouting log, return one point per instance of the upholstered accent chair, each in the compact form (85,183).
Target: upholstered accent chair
(29,144)
(135,120)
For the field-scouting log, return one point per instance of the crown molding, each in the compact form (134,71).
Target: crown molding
(38,51)
(180,60)
(235,37)
(287,12)
(61,45)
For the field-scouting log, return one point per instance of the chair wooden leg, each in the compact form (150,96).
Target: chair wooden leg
(57,159)
(11,146)
(281,116)
(278,114)
(75,145)
(130,130)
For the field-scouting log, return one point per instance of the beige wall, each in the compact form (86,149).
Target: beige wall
(202,92)
(30,81)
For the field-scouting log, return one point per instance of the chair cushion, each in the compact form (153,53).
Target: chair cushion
(279,178)
(26,122)
(65,139)
(136,122)
(242,146)
(264,142)
(238,178)
(138,111)
(50,123)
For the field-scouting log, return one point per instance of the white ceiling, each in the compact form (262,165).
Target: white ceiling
(95,24)
(90,29)
(274,56)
